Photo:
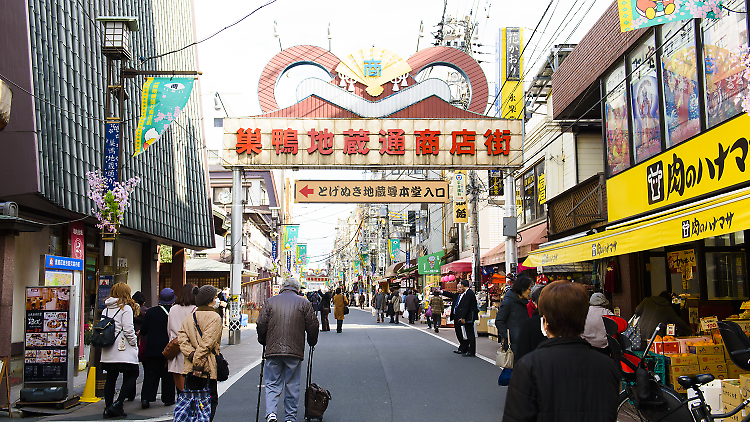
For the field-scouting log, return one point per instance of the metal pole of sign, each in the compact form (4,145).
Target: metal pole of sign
(476,274)
(236,268)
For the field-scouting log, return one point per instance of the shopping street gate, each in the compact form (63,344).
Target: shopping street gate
(371,191)
(372,144)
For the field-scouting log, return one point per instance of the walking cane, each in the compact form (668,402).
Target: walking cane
(260,384)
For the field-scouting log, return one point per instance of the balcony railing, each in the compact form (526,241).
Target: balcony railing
(579,206)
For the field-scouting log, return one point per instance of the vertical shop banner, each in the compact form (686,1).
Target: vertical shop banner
(77,243)
(301,254)
(291,234)
(274,251)
(495,178)
(46,337)
(637,14)
(541,185)
(460,209)
(111,154)
(161,102)
(512,74)
(394,246)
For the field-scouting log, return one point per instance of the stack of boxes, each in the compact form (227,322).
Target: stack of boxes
(711,360)
(679,365)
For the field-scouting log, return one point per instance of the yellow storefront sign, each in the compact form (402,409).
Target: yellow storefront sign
(727,214)
(712,161)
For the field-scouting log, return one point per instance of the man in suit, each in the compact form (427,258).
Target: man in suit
(464,312)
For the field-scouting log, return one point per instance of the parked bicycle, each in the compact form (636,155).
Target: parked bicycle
(645,399)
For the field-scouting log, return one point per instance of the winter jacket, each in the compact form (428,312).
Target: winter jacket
(437,305)
(595,333)
(563,380)
(138,320)
(654,310)
(177,315)
(202,347)
(154,330)
(325,301)
(510,316)
(283,323)
(380,301)
(464,306)
(529,337)
(396,302)
(412,303)
(339,301)
(124,330)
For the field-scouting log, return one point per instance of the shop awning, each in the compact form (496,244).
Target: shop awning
(530,239)
(724,214)
(460,266)
(248,282)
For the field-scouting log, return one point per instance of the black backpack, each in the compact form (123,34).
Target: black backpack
(104,331)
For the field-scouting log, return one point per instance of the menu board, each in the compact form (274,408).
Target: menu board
(47,329)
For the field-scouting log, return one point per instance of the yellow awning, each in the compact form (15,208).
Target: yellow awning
(725,214)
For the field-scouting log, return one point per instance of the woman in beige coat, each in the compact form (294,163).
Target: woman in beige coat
(339,302)
(199,351)
(183,307)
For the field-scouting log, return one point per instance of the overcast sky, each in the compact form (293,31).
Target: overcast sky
(232,61)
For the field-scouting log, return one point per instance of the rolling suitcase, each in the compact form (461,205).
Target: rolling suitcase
(316,398)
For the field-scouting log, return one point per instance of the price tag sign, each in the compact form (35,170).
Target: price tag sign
(617,311)
(670,329)
(709,323)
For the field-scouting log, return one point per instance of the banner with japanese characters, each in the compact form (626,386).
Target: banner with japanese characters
(394,249)
(710,162)
(371,191)
(162,101)
(512,74)
(636,14)
(371,143)
(460,208)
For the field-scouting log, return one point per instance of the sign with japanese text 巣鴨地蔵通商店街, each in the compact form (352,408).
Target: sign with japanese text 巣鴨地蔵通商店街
(708,163)
(371,143)
(371,191)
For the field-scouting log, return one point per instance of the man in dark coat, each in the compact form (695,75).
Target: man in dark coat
(325,309)
(412,305)
(154,333)
(464,312)
(379,304)
(657,310)
(564,379)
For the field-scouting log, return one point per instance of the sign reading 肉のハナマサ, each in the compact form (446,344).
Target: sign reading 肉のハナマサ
(371,191)
(371,143)
(712,161)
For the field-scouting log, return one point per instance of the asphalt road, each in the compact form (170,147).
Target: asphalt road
(384,372)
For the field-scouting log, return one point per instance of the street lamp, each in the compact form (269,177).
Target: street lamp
(117,31)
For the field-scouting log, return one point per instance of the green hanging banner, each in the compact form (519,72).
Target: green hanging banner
(161,102)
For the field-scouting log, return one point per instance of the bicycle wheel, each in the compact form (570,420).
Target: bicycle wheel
(627,411)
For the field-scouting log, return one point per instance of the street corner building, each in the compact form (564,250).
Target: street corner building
(52,49)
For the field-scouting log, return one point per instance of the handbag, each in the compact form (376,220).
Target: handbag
(193,406)
(172,349)
(222,366)
(504,357)
(346,310)
(428,312)
(633,332)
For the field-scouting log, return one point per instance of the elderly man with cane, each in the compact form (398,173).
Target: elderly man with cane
(282,325)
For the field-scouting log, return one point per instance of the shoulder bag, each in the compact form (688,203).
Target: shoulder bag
(222,366)
(172,349)
(104,331)
(505,355)
(633,332)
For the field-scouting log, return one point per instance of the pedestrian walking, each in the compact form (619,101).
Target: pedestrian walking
(412,305)
(564,379)
(154,363)
(339,302)
(184,306)
(513,312)
(200,348)
(361,301)
(594,331)
(396,304)
(325,310)
(530,336)
(464,312)
(437,307)
(122,356)
(281,327)
(379,304)
(223,303)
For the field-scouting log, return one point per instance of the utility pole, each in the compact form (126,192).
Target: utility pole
(476,273)
(236,268)
(511,253)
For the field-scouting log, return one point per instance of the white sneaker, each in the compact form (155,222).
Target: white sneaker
(271,418)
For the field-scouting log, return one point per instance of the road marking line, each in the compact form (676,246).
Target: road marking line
(222,387)
(484,358)
(155,419)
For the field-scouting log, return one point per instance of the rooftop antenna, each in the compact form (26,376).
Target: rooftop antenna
(329,36)
(276,35)
(421,33)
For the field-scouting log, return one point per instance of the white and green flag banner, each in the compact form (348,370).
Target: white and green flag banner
(161,102)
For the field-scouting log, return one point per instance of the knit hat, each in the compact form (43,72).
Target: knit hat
(204,295)
(166,297)
(598,299)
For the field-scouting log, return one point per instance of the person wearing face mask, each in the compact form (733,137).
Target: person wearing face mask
(199,350)
(464,312)
(513,312)
(564,379)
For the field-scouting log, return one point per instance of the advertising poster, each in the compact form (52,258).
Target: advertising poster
(680,78)
(616,116)
(644,93)
(46,337)
(636,14)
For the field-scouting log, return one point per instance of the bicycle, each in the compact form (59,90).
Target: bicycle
(645,399)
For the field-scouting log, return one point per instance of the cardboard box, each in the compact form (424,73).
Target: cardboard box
(665,347)
(680,360)
(684,340)
(711,349)
(713,369)
(745,384)
(731,393)
(711,360)
(676,385)
(678,371)
(734,371)
(720,375)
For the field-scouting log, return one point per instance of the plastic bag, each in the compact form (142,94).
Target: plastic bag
(406,314)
